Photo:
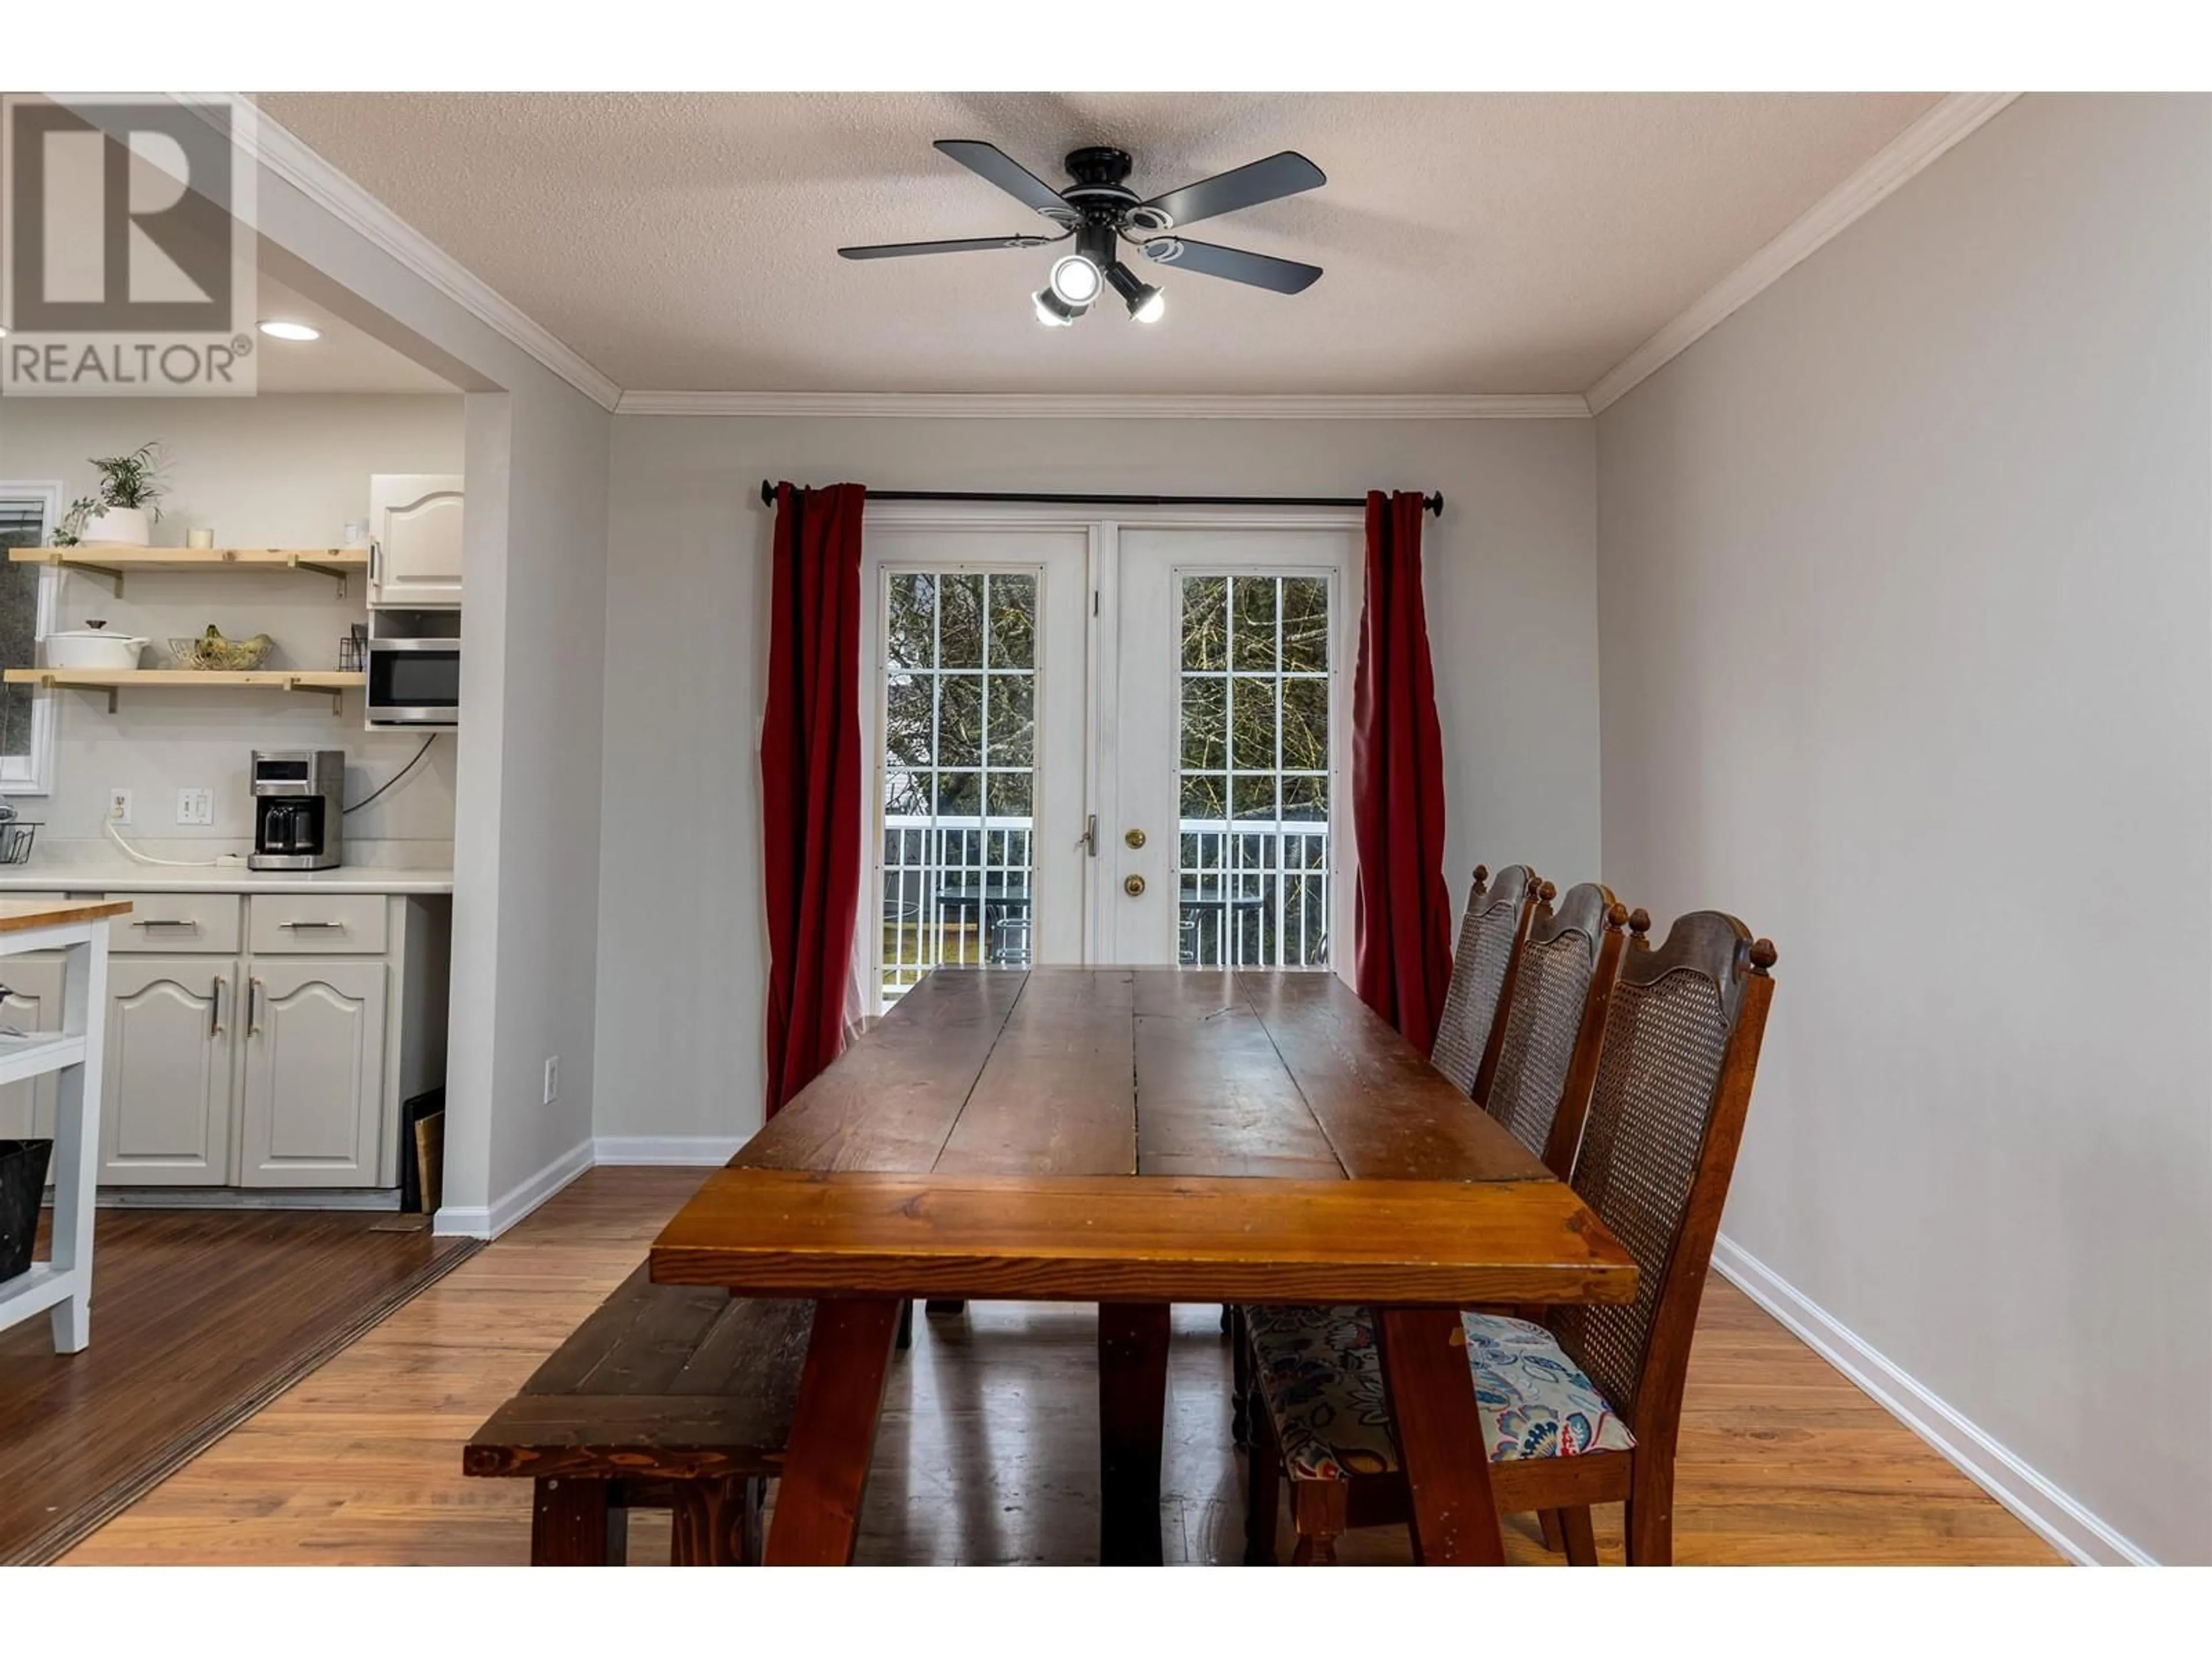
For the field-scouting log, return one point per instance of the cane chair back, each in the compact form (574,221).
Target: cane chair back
(1665,1115)
(1562,985)
(1490,935)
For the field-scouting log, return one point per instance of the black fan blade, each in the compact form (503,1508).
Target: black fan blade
(1236,263)
(970,245)
(1278,176)
(991,162)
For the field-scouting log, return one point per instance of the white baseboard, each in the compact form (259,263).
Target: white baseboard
(2048,1511)
(666,1149)
(457,1221)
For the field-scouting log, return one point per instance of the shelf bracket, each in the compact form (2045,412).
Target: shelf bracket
(334,573)
(336,694)
(108,571)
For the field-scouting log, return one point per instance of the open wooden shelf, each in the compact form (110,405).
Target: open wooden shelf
(329,683)
(116,562)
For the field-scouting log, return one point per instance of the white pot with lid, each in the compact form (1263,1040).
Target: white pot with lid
(94,646)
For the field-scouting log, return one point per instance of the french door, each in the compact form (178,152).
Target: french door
(1107,741)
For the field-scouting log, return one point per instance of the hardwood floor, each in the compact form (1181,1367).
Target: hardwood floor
(196,1317)
(989,1451)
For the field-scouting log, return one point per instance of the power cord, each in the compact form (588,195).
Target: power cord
(394,778)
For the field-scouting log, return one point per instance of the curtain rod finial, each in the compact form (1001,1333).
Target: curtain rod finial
(1435,503)
(768,492)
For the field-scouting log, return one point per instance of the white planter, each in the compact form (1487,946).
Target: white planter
(118,526)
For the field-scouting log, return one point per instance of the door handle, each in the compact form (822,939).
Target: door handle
(1133,886)
(375,560)
(253,998)
(1089,839)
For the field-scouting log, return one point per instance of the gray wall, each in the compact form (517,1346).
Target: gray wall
(1904,586)
(1511,589)
(527,825)
(274,472)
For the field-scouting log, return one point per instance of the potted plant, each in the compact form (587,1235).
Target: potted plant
(121,513)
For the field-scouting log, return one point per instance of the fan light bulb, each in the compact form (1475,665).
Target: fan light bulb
(1077,281)
(1053,311)
(1145,302)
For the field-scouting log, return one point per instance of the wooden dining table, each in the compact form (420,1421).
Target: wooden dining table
(1138,1138)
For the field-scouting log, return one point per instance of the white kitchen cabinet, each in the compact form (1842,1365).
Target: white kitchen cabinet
(312,1093)
(165,1118)
(415,538)
(331,1015)
(33,1003)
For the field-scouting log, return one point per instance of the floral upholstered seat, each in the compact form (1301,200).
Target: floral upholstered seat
(1320,1374)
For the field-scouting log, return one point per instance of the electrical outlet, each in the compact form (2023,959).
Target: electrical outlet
(118,806)
(195,806)
(552,1079)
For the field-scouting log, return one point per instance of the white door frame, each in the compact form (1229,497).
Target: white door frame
(1102,528)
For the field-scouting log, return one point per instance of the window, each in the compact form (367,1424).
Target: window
(26,515)
(959,756)
(1254,780)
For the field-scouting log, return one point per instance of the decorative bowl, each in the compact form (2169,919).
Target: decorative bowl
(222,655)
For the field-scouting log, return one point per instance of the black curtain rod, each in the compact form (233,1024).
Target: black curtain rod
(1434,503)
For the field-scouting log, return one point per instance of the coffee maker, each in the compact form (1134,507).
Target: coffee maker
(299,809)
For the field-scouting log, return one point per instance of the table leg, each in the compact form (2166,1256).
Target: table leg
(1440,1438)
(833,1433)
(1133,1402)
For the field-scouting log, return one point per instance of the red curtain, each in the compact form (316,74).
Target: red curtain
(1403,947)
(810,780)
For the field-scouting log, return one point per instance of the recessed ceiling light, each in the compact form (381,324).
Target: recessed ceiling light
(282,331)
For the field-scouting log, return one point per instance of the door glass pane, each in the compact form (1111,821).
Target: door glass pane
(958,786)
(1254,776)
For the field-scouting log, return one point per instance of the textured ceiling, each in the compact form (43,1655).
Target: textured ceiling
(1474,243)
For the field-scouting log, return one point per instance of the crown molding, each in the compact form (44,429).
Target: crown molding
(1913,149)
(289,158)
(1075,407)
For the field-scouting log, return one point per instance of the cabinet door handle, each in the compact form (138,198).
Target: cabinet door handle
(311,924)
(166,921)
(253,997)
(215,1017)
(375,560)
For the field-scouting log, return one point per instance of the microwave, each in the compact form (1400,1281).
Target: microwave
(414,668)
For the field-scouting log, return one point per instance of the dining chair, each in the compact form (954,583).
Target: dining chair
(1468,1033)
(1490,935)
(1584,1409)
(1554,1018)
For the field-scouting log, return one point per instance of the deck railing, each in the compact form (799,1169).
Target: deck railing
(1254,893)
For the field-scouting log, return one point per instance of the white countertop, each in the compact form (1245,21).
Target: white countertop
(222,878)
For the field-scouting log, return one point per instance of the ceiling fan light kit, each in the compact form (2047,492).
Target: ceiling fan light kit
(1098,211)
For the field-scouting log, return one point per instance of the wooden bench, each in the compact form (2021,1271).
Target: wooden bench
(667,1397)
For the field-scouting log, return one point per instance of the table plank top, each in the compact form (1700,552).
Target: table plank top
(1138,1071)
(1104,1134)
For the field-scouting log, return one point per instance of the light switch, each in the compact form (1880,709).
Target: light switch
(195,806)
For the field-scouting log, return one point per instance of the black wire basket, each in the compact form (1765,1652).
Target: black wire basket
(22,1180)
(15,838)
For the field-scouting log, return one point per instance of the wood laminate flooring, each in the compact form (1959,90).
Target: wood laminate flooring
(198,1316)
(989,1451)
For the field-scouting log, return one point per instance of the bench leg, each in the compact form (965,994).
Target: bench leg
(938,1309)
(572,1524)
(906,1326)
(714,1524)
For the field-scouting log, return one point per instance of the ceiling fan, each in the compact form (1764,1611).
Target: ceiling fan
(1098,211)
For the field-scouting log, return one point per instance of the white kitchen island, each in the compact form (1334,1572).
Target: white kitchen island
(62,1285)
